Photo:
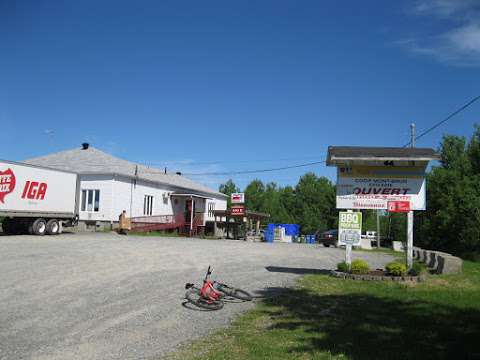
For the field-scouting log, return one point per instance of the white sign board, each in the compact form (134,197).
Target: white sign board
(238,198)
(372,187)
(349,228)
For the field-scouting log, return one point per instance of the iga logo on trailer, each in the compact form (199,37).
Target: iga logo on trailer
(7,183)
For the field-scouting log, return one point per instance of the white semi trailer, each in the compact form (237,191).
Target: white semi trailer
(37,200)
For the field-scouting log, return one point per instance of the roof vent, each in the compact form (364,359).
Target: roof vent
(85,146)
(178,173)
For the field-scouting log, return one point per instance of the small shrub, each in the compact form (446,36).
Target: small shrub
(396,269)
(359,267)
(343,267)
(418,269)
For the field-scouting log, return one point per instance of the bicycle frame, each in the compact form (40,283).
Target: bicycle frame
(208,290)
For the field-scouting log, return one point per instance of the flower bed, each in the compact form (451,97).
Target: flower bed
(377,275)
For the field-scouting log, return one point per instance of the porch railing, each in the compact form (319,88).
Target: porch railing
(154,223)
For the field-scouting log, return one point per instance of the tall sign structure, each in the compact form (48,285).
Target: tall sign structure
(382,178)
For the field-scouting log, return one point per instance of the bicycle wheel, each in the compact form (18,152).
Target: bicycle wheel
(236,293)
(194,297)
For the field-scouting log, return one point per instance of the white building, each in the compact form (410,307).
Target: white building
(109,185)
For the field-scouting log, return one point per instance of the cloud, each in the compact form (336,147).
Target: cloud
(460,44)
(444,8)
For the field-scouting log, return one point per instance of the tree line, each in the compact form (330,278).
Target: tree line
(451,222)
(311,203)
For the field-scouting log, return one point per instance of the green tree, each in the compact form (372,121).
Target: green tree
(228,189)
(315,203)
(272,204)
(254,195)
(452,219)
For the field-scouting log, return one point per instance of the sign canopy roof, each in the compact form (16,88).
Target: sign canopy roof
(390,156)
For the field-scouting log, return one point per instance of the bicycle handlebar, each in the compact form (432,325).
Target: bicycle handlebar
(209,271)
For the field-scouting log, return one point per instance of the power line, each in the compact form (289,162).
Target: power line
(444,120)
(186,163)
(255,171)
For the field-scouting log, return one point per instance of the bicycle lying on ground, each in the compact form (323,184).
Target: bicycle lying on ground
(210,296)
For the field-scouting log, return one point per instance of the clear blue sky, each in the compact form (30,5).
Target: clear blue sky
(244,84)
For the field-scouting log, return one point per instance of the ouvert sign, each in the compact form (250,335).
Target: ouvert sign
(373,187)
(380,178)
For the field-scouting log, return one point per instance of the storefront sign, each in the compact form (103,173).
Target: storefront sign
(237,210)
(373,187)
(238,198)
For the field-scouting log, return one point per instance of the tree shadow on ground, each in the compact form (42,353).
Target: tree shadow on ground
(300,271)
(368,327)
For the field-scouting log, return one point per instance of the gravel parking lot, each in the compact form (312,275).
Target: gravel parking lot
(107,296)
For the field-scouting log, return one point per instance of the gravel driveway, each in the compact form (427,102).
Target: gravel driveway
(107,296)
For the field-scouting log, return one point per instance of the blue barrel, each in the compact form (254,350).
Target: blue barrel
(269,236)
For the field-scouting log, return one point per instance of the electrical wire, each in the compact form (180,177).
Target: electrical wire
(194,163)
(444,120)
(255,171)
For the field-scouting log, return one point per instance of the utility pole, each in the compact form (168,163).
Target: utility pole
(412,135)
(410,213)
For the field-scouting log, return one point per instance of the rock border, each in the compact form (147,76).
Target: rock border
(366,277)
(438,262)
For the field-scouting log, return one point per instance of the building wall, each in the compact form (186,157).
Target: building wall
(119,193)
(126,194)
(104,184)
(218,204)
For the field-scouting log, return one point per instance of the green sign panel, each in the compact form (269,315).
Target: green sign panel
(349,227)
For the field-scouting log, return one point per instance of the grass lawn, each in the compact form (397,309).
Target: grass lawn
(329,318)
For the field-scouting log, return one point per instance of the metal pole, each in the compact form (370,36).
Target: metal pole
(348,250)
(348,254)
(412,135)
(191,215)
(410,240)
(410,213)
(378,229)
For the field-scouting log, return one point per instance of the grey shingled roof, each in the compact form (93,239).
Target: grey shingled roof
(336,153)
(94,161)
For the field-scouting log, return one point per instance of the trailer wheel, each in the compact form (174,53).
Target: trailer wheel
(39,227)
(7,226)
(53,227)
(12,226)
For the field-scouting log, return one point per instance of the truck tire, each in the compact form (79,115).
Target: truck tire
(39,227)
(7,226)
(13,227)
(53,227)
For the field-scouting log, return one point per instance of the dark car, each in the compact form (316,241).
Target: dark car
(327,238)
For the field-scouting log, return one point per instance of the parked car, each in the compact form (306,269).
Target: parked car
(327,238)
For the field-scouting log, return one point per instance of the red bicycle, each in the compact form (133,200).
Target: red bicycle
(210,295)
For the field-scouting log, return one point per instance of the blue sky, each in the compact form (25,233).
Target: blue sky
(225,86)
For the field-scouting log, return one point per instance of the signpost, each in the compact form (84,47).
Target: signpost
(238,204)
(349,232)
(382,178)
(238,210)
(238,198)
(372,187)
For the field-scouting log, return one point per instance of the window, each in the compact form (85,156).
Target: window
(90,200)
(211,209)
(148,205)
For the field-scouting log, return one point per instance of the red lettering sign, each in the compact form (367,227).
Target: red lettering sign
(7,183)
(398,206)
(34,190)
(238,210)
